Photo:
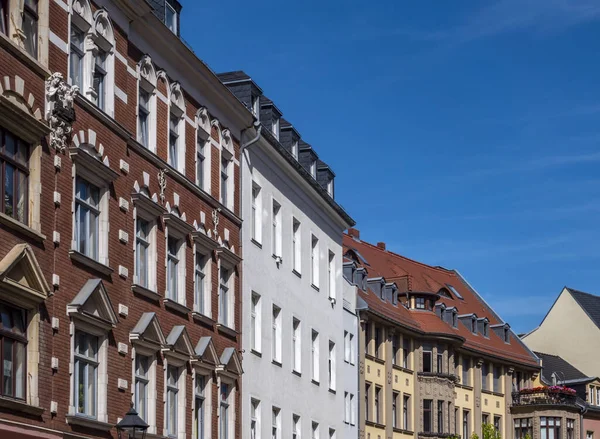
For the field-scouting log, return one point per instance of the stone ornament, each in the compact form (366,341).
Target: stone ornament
(215,218)
(162,184)
(61,114)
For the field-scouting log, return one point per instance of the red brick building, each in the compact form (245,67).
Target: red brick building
(120,239)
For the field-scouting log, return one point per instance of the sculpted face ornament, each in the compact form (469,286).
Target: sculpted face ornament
(60,112)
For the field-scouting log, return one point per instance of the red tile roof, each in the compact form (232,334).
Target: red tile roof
(413,276)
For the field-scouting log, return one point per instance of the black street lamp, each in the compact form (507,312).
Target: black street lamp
(133,425)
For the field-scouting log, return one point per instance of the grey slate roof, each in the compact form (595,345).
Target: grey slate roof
(226,355)
(238,75)
(589,303)
(565,371)
(142,324)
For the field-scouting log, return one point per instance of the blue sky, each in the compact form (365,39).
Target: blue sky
(463,134)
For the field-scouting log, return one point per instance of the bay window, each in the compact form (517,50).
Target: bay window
(14,176)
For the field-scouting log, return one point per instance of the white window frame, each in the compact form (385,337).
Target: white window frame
(275,423)
(315,430)
(314,261)
(276,228)
(181,397)
(296,426)
(179,295)
(229,401)
(296,345)
(276,339)
(255,425)
(206,374)
(202,283)
(256,224)
(315,355)
(176,112)
(275,128)
(256,322)
(352,349)
(151,390)
(203,147)
(331,274)
(332,366)
(225,181)
(226,286)
(296,245)
(147,82)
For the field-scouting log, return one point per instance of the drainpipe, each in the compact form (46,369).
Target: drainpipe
(258,127)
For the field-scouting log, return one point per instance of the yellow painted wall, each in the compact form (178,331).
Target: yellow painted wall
(376,432)
(375,372)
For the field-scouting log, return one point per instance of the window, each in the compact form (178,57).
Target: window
(395,348)
(295,427)
(30,26)
(377,408)
(201,293)
(276,227)
(440,361)
(276,427)
(171,17)
(315,430)
(330,187)
(256,107)
(276,128)
(367,337)
(255,320)
(256,214)
(200,162)
(142,245)
(314,258)
(331,275)
(172,393)
(523,428)
(588,435)
(295,149)
(405,408)
(485,328)
(420,303)
(454,319)
(225,276)
(549,428)
(224,181)
(427,424)
(254,419)
(347,346)
(395,400)
(144,117)
(331,433)
(485,418)
(173,141)
(474,325)
(4,16)
(427,359)
(199,405)
(76,56)
(13,350)
(142,367)
(86,374)
(173,267)
(296,345)
(368,414)
(99,84)
(224,412)
(466,429)
(87,212)
(497,379)
(296,246)
(352,410)
(498,424)
(484,376)
(405,352)
(313,169)
(315,355)
(332,365)
(14,176)
(352,348)
(440,416)
(346,407)
(466,365)
(378,348)
(276,335)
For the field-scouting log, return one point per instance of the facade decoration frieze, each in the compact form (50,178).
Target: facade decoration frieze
(60,112)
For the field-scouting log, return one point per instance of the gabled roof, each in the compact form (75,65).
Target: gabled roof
(231,362)
(412,276)
(93,304)
(21,276)
(565,371)
(588,302)
(178,341)
(148,330)
(205,351)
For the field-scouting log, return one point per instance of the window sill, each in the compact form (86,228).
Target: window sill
(297,373)
(375,424)
(256,243)
(20,406)
(374,358)
(464,386)
(332,391)
(315,382)
(143,291)
(276,363)
(226,330)
(491,392)
(315,287)
(12,223)
(402,369)
(297,273)
(90,263)
(201,318)
(255,352)
(175,306)
(82,421)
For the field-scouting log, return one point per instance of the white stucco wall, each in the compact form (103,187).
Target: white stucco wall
(350,369)
(271,384)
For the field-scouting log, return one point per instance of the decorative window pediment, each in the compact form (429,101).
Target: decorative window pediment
(148,204)
(19,112)
(203,121)
(230,366)
(178,344)
(177,101)
(91,159)
(147,74)
(206,353)
(229,256)
(93,305)
(147,332)
(22,277)
(204,241)
(176,222)
(102,31)
(82,13)
(227,142)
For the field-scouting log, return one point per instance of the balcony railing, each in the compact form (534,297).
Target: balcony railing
(544,396)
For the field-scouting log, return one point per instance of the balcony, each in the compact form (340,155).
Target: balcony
(552,395)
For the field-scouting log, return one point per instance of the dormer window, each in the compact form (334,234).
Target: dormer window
(420,303)
(506,335)
(295,149)
(330,187)
(454,319)
(485,328)
(276,128)
(313,169)
(171,17)
(474,325)
(256,107)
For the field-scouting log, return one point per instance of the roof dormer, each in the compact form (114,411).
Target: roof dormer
(348,271)
(308,158)
(470,322)
(270,116)
(502,330)
(421,300)
(289,137)
(376,285)
(390,293)
(325,177)
(483,326)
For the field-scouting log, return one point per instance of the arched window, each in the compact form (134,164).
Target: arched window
(146,126)
(203,149)
(176,157)
(91,54)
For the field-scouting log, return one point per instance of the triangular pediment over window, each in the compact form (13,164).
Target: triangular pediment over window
(206,352)
(21,279)
(231,365)
(147,332)
(93,305)
(179,343)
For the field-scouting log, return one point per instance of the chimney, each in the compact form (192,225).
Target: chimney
(381,245)
(354,233)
